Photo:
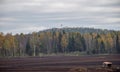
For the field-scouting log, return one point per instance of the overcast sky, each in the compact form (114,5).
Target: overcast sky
(26,16)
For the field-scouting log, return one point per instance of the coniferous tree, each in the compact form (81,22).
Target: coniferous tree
(117,44)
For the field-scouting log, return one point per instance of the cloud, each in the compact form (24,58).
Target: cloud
(29,15)
(25,28)
(38,6)
(106,26)
(4,19)
(112,20)
(28,29)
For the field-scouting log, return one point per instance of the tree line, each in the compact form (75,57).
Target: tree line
(60,40)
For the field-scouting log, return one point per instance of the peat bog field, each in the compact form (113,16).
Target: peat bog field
(56,63)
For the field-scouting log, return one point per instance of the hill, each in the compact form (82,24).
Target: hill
(78,29)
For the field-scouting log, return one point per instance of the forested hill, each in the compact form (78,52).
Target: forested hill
(81,30)
(61,41)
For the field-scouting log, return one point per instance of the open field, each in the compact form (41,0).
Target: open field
(55,63)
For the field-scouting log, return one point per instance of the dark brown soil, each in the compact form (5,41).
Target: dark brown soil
(56,63)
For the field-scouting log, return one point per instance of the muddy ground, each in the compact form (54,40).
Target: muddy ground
(56,63)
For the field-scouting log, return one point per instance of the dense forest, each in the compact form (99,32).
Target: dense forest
(60,41)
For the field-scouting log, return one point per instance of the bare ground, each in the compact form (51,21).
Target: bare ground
(57,63)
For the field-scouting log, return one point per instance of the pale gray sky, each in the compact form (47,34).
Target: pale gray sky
(26,16)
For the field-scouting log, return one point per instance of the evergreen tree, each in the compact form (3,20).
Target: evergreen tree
(117,44)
